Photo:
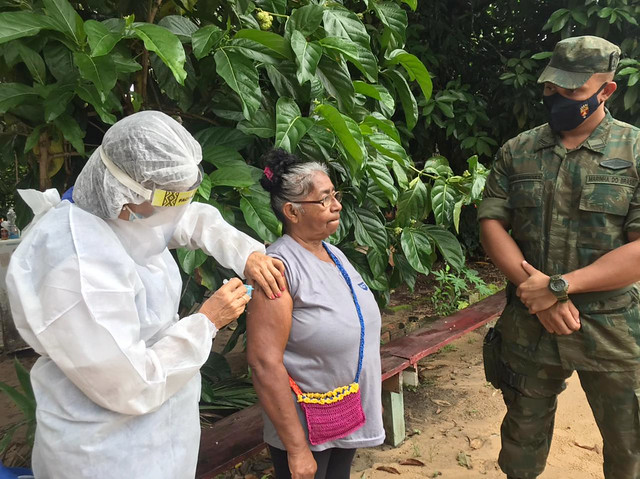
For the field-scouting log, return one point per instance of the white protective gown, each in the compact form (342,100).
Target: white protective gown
(117,384)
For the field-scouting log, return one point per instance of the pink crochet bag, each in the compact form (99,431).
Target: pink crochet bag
(337,413)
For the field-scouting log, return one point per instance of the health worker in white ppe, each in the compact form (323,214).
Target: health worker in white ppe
(94,290)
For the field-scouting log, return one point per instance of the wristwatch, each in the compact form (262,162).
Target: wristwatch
(559,287)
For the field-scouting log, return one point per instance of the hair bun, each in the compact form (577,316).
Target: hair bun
(277,162)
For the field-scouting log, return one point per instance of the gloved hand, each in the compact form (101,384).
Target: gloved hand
(226,304)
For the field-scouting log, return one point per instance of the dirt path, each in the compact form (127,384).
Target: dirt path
(455,416)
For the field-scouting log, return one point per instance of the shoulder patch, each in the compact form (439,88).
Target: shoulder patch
(616,164)
(363,286)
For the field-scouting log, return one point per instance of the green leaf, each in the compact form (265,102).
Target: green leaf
(232,176)
(409,104)
(20,400)
(166,45)
(262,124)
(57,100)
(401,175)
(413,204)
(307,56)
(344,23)
(66,19)
(415,68)
(407,273)
(181,94)
(360,56)
(457,211)
(274,42)
(447,244)
(14,94)
(89,94)
(15,25)
(260,218)
(306,20)
(381,176)
(34,63)
(101,71)
(205,39)
(337,82)
(445,108)
(351,141)
(223,157)
(180,26)
(224,137)
(204,188)
(124,64)
(443,201)
(580,17)
(369,229)
(59,60)
(24,380)
(388,147)
(33,138)
(254,50)
(291,126)
(342,45)
(377,92)
(383,125)
(241,75)
(284,81)
(392,16)
(71,131)
(417,249)
(101,39)
(630,97)
(190,259)
(413,4)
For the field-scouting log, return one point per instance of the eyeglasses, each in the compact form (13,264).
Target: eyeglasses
(326,200)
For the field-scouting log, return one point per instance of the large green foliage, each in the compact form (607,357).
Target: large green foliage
(328,82)
(485,58)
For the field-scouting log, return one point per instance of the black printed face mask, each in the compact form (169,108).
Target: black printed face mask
(566,114)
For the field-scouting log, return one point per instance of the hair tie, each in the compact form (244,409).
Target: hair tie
(268,173)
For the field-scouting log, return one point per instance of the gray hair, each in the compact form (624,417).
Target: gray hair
(296,184)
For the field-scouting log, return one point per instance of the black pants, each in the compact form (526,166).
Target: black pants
(334,463)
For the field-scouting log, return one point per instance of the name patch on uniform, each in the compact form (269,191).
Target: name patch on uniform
(363,286)
(616,164)
(525,177)
(613,180)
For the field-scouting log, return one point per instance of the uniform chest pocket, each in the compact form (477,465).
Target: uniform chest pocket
(604,204)
(525,200)
(607,194)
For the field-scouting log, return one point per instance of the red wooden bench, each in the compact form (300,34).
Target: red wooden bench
(239,436)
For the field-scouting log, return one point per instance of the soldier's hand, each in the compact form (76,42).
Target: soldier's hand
(534,292)
(561,318)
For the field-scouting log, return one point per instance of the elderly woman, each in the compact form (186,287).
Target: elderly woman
(95,291)
(315,352)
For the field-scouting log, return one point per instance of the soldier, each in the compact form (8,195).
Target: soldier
(568,193)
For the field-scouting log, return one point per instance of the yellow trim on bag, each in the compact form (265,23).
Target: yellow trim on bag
(172,198)
(329,397)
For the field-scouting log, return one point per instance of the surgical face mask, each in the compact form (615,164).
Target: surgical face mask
(566,114)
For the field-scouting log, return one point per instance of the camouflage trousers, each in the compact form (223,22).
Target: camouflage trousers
(530,391)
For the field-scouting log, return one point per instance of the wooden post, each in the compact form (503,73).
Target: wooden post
(410,376)
(393,415)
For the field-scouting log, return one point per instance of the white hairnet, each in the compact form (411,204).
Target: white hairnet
(149,146)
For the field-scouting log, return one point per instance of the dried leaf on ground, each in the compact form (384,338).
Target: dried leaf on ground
(411,462)
(595,448)
(475,443)
(390,470)
(464,460)
(441,402)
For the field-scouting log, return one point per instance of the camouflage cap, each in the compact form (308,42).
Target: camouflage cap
(576,59)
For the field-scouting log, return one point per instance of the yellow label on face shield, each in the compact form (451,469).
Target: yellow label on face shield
(172,198)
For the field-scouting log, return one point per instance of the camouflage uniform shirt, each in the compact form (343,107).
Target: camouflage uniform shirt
(565,210)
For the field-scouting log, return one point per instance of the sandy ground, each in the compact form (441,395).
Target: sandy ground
(454,420)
